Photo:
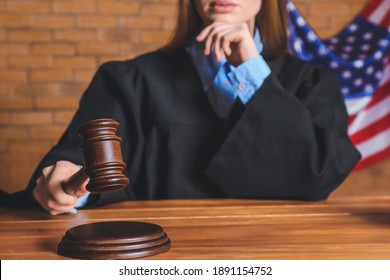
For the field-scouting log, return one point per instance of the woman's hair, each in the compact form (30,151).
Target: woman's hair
(271,21)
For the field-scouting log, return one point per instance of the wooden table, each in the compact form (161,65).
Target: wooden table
(340,228)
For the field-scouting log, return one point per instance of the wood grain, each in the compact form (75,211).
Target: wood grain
(340,228)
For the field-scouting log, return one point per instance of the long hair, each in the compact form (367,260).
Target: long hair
(271,21)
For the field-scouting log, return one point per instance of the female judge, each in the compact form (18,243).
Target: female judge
(222,111)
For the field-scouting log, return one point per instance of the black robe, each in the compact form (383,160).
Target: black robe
(289,142)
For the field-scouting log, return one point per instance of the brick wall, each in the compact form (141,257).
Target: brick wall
(49,50)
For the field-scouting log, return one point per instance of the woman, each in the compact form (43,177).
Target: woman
(221,111)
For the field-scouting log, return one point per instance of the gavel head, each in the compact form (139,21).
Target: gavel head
(103,161)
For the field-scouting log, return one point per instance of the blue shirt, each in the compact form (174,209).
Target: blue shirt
(223,82)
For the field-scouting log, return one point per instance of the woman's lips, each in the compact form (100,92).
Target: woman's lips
(222,6)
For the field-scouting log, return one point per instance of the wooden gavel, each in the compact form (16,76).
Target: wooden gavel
(103,163)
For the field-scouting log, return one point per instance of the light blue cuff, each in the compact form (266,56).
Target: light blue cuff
(82,200)
(248,77)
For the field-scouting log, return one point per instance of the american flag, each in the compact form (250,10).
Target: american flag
(360,55)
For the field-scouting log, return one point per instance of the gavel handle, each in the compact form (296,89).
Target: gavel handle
(74,182)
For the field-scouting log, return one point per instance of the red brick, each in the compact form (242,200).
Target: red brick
(4,118)
(36,89)
(118,8)
(19,177)
(3,145)
(118,35)
(97,21)
(29,146)
(51,75)
(13,76)
(155,37)
(52,21)
(318,22)
(14,133)
(2,35)
(169,24)
(84,75)
(28,61)
(73,35)
(74,62)
(47,132)
(12,20)
(332,9)
(56,102)
(75,89)
(3,90)
(94,48)
(15,160)
(74,7)
(12,48)
(27,7)
(16,103)
(162,10)
(2,61)
(29,35)
(63,117)
(30,118)
(53,48)
(143,22)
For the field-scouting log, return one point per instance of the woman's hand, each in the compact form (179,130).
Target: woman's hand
(48,190)
(232,40)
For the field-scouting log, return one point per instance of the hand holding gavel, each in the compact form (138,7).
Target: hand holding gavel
(60,185)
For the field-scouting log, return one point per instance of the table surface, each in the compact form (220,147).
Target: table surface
(339,228)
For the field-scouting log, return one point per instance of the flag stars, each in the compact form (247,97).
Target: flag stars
(334,40)
(301,22)
(362,56)
(378,55)
(383,43)
(358,63)
(311,36)
(334,64)
(290,6)
(351,39)
(348,49)
(353,27)
(365,47)
(369,88)
(370,70)
(378,75)
(322,50)
(367,36)
(298,45)
(358,82)
(346,74)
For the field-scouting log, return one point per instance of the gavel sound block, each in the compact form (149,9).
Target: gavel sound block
(103,165)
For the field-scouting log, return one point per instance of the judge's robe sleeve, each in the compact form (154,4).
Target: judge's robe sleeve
(106,97)
(287,146)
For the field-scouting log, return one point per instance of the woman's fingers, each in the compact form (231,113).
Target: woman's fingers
(49,192)
(219,38)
